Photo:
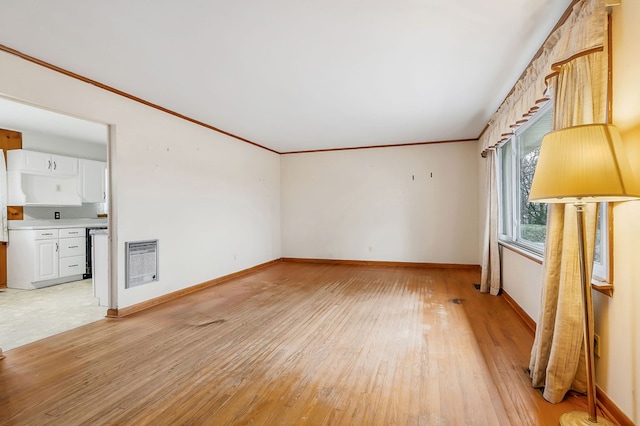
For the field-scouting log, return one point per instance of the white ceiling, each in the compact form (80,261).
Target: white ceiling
(298,75)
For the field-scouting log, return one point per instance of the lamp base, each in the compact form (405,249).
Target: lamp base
(581,418)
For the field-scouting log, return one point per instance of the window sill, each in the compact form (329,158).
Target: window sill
(522,251)
(602,287)
(599,286)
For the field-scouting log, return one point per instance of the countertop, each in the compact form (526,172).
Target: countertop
(99,231)
(60,223)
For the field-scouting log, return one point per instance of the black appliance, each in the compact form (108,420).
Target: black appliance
(88,242)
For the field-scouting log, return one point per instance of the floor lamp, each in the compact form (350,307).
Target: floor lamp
(579,165)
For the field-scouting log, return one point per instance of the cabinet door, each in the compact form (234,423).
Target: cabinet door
(46,266)
(64,166)
(92,181)
(38,162)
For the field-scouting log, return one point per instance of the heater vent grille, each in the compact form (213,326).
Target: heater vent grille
(141,262)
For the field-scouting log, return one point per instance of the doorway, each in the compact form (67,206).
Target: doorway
(51,306)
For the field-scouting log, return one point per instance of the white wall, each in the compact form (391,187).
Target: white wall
(64,146)
(85,211)
(617,317)
(408,204)
(521,279)
(212,201)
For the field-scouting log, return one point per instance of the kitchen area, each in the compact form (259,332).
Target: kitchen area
(54,190)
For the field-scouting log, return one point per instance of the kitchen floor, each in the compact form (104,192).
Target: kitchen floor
(30,315)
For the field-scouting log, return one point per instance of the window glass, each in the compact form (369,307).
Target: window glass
(505,157)
(597,255)
(601,248)
(533,216)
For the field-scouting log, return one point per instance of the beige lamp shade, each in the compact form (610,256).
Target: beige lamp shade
(583,164)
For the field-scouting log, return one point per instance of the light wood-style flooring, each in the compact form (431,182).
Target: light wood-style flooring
(291,344)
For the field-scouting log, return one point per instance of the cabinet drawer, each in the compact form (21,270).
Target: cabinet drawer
(72,266)
(72,232)
(46,234)
(72,247)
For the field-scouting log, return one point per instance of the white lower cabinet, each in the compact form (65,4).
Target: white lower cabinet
(46,262)
(44,257)
(72,253)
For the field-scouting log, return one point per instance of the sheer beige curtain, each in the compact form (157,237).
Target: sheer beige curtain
(557,358)
(490,279)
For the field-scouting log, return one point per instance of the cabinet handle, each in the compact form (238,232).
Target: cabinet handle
(54,165)
(49,166)
(56,246)
(73,266)
(73,246)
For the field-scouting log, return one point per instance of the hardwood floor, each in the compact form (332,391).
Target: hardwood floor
(291,344)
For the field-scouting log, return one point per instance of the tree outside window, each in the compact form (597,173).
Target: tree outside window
(533,216)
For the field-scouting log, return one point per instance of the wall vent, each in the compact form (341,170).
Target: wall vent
(141,262)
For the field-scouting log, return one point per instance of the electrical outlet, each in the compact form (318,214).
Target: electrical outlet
(596,345)
(56,215)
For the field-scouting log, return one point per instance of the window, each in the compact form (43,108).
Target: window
(601,253)
(521,222)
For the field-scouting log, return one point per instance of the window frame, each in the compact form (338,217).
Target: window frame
(513,237)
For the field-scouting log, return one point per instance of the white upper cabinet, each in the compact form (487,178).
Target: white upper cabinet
(67,166)
(92,182)
(29,161)
(41,163)
(39,178)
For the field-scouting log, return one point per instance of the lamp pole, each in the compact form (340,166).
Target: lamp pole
(578,417)
(587,306)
